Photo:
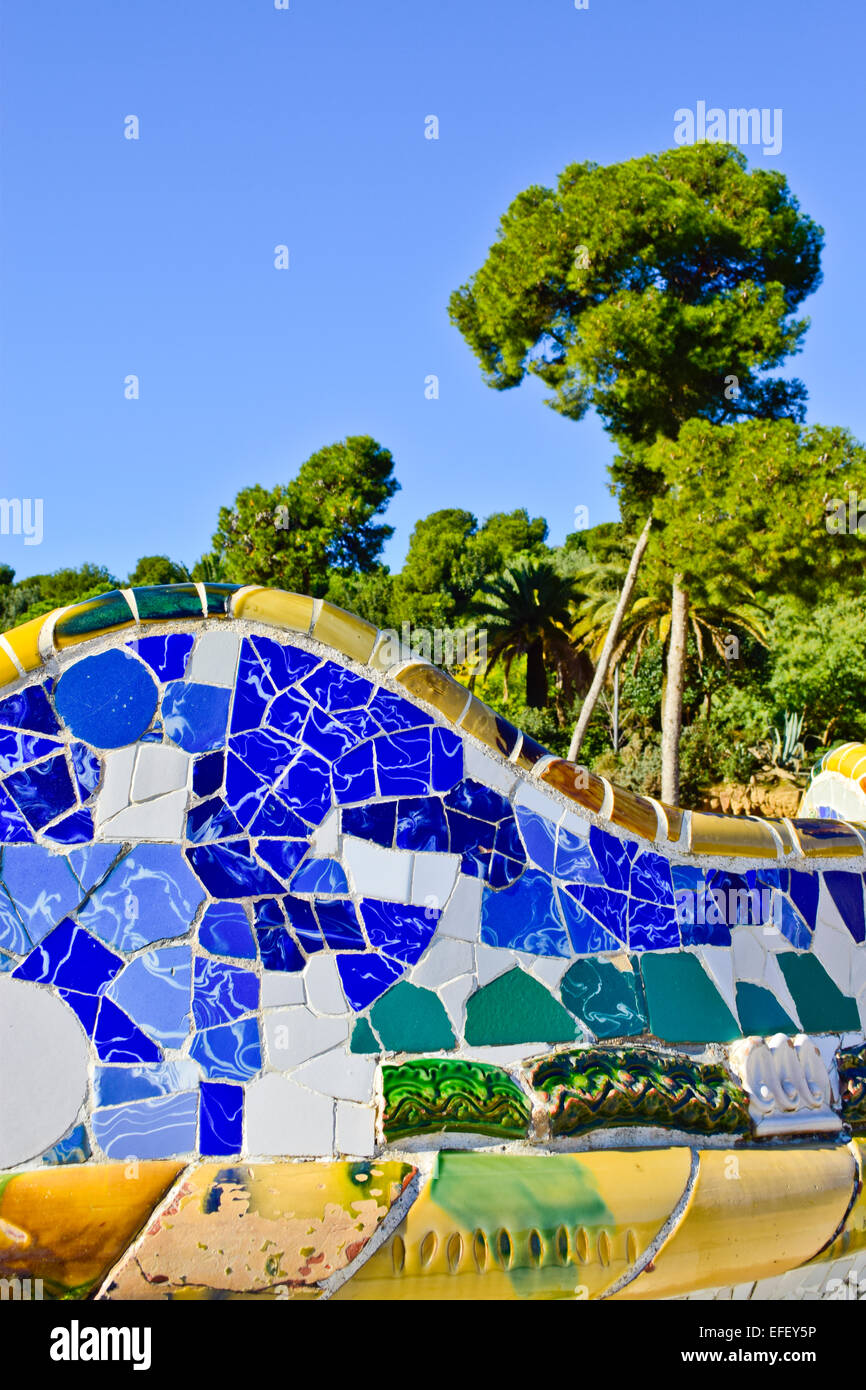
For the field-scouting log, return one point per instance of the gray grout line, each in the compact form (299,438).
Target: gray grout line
(389,1225)
(662,1235)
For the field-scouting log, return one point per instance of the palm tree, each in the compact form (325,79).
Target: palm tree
(528,611)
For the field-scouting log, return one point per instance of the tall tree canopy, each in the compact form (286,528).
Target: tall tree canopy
(324,519)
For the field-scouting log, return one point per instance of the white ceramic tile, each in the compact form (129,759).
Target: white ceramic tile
(295,1035)
(433,878)
(281,987)
(719,962)
(161,818)
(776,983)
(491,962)
(158,770)
(324,839)
(322,984)
(462,915)
(482,768)
(749,954)
(575,825)
(356,1129)
(834,949)
(445,960)
(113,793)
(454,996)
(215,658)
(550,969)
(377,872)
(346,1075)
(43,1069)
(534,799)
(282,1118)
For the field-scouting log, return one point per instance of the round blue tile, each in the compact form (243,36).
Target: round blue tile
(107,700)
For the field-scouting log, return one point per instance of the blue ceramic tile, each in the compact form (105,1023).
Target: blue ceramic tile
(87,768)
(41,885)
(225,931)
(7,963)
(306,787)
(588,937)
(687,879)
(13,935)
(253,691)
(421,824)
(211,820)
(607,907)
(151,894)
(652,926)
(284,664)
(524,917)
(373,822)
(195,716)
(360,723)
(245,792)
(221,1115)
(107,700)
(539,837)
(302,920)
(846,890)
(337,688)
(118,1040)
(157,1128)
(402,932)
(230,871)
(267,752)
(74,1147)
(231,1050)
(503,871)
(154,990)
(275,819)
(17,749)
(700,919)
(166,656)
(279,950)
(84,1006)
(76,829)
(340,928)
(393,713)
(651,879)
(793,927)
(473,839)
(92,863)
(29,709)
(730,893)
(366,975)
(13,827)
(403,763)
(508,841)
(354,777)
(574,859)
(222,993)
(474,799)
(325,736)
(207,773)
(289,713)
(70,958)
(117,1085)
(613,857)
(320,876)
(42,792)
(154,734)
(283,856)
(446,760)
(804,890)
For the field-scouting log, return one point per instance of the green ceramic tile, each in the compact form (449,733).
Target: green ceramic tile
(430,1094)
(217,598)
(606,999)
(95,615)
(822,1007)
(515,1008)
(168,601)
(760,1012)
(409,1019)
(684,1004)
(363,1038)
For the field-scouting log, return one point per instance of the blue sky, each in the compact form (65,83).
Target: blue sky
(305,127)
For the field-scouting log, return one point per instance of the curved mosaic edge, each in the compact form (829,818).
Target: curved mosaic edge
(26,648)
(610,1224)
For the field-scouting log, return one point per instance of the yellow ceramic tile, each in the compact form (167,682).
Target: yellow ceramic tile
(734,835)
(274,606)
(634,813)
(259,1227)
(507,1226)
(345,632)
(783,833)
(674,817)
(852,1236)
(753,1214)
(8,670)
(24,641)
(530,753)
(826,839)
(68,1225)
(488,727)
(576,782)
(439,689)
(844,758)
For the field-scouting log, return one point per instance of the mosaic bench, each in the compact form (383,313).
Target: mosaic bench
(319,979)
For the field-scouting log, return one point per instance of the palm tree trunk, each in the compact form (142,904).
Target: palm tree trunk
(672,718)
(536,676)
(610,642)
(616,708)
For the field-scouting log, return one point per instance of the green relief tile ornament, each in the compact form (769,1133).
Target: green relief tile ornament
(596,1088)
(363,1038)
(760,1012)
(428,1095)
(515,1008)
(410,1019)
(607,1000)
(822,1007)
(684,1004)
(852,1086)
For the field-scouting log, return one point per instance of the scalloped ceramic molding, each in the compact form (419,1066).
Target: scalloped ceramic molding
(787,1083)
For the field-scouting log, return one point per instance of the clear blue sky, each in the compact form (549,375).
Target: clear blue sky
(306,127)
